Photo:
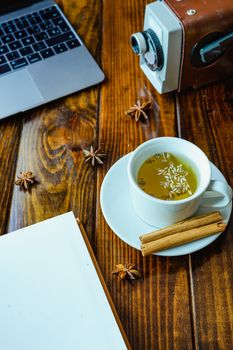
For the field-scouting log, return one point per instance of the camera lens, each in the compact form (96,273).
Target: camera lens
(147,45)
(138,43)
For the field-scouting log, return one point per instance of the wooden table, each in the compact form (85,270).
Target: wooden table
(182,302)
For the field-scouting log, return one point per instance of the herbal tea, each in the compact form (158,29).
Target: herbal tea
(165,176)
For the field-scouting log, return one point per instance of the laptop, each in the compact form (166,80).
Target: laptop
(41,56)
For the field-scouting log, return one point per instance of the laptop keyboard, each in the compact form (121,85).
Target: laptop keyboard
(37,36)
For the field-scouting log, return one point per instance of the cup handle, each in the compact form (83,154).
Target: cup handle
(217,195)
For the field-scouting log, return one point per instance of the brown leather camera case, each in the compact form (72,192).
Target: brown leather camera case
(212,16)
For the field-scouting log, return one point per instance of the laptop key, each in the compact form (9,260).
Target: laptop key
(46,25)
(3,49)
(41,36)
(60,38)
(2,60)
(47,53)
(10,28)
(39,46)
(60,48)
(28,41)
(35,57)
(15,45)
(1,32)
(7,38)
(11,56)
(58,20)
(33,29)
(6,24)
(19,63)
(49,13)
(20,34)
(64,27)
(54,31)
(26,51)
(5,68)
(73,43)
(34,18)
(22,23)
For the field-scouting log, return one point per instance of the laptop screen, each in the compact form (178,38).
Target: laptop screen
(12,5)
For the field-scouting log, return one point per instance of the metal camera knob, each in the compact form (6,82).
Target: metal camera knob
(147,45)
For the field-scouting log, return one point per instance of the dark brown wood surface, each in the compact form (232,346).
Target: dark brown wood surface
(182,302)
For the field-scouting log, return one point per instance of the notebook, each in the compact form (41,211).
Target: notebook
(42,58)
(52,294)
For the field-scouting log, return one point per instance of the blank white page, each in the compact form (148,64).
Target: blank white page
(50,295)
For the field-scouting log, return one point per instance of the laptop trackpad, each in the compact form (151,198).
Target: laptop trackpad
(18,92)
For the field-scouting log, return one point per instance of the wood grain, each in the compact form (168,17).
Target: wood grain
(207,119)
(10,132)
(150,309)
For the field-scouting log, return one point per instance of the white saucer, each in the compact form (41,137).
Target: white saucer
(118,211)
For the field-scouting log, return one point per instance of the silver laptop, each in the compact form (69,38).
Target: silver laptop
(41,56)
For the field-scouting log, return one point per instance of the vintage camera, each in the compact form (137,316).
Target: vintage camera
(185,43)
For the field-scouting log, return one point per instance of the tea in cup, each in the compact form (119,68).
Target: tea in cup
(168,179)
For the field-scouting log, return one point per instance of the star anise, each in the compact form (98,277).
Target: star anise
(93,156)
(138,110)
(126,271)
(25,179)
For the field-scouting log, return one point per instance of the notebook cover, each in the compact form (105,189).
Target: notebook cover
(52,293)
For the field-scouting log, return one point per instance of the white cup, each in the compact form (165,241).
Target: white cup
(159,212)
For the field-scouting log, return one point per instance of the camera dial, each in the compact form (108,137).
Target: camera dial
(147,45)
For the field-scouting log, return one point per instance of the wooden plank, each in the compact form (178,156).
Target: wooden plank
(206,119)
(10,130)
(52,139)
(155,311)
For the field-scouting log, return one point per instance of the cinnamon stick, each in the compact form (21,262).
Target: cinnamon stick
(182,238)
(181,226)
